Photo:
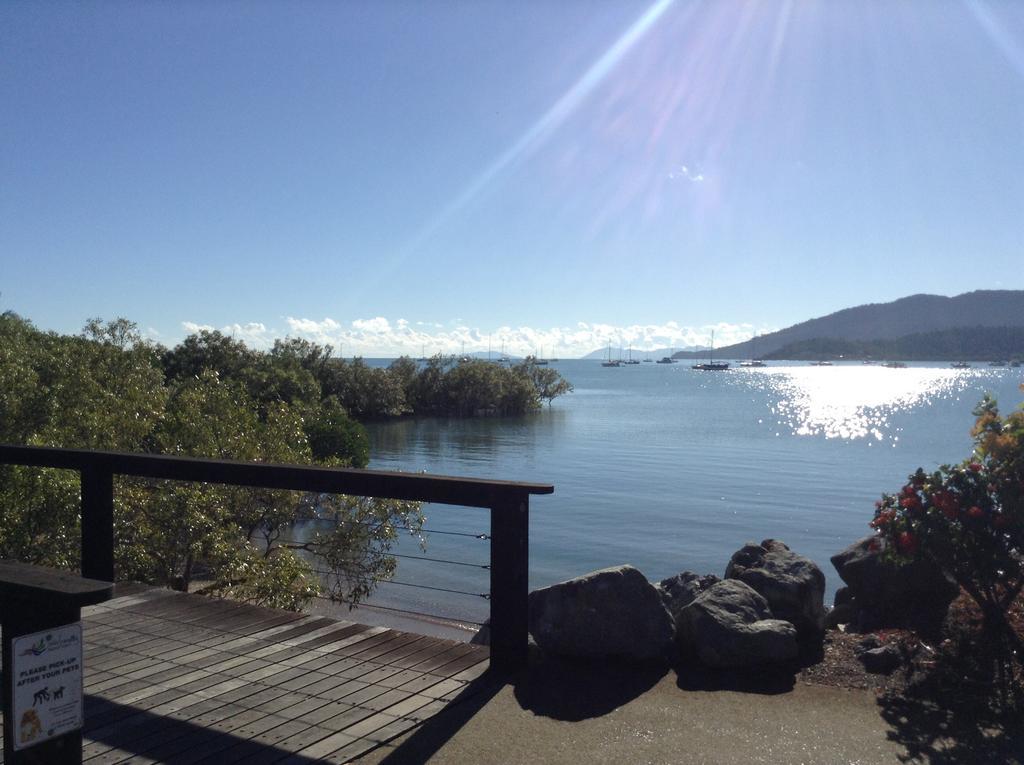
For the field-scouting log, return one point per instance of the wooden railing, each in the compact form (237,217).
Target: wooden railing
(508,501)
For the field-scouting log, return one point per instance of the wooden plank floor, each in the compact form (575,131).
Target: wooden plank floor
(174,678)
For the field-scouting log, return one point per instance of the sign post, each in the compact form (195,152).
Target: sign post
(40,609)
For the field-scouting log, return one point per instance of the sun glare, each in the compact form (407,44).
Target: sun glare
(853,402)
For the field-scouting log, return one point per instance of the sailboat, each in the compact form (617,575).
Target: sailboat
(752,361)
(711,365)
(631,360)
(610,362)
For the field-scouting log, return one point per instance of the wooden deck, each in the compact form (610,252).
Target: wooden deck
(184,679)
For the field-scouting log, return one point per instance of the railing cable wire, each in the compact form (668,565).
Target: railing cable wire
(403,611)
(484,595)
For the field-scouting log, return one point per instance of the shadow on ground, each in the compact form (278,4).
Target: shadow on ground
(432,735)
(954,716)
(692,675)
(768,681)
(577,689)
(571,690)
(159,738)
(935,732)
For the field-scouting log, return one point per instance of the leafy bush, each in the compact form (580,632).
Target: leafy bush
(210,397)
(968,519)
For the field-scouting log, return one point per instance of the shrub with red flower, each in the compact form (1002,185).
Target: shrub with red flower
(968,519)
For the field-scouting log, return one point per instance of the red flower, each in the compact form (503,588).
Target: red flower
(975,512)
(906,543)
(910,503)
(947,502)
(975,466)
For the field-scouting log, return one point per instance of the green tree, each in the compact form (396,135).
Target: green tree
(546,381)
(212,397)
(99,390)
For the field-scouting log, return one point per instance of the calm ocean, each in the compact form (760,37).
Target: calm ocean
(669,468)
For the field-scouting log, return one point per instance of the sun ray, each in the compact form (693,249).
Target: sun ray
(543,128)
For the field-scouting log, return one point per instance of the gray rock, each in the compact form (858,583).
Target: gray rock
(840,614)
(680,590)
(844,597)
(887,594)
(793,585)
(730,625)
(883,660)
(611,612)
(869,643)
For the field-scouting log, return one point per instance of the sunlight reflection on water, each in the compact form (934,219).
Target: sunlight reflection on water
(852,402)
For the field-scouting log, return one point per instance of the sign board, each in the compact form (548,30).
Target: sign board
(47,677)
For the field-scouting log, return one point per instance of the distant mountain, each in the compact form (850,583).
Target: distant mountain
(623,353)
(957,344)
(914,315)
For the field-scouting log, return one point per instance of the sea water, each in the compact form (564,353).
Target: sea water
(670,469)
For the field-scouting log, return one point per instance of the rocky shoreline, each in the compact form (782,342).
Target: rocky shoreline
(767,610)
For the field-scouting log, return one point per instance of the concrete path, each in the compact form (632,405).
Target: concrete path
(555,714)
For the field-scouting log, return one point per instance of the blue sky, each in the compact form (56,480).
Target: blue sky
(398,176)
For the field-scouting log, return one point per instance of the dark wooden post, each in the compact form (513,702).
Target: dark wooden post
(98,521)
(510,568)
(35,602)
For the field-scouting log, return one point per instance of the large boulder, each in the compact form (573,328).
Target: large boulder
(884,593)
(793,585)
(731,625)
(680,590)
(611,612)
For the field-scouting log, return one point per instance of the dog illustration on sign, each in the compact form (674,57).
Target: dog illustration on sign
(58,693)
(40,696)
(31,726)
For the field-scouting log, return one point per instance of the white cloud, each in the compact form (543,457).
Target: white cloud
(192,328)
(378,325)
(311,326)
(686,173)
(254,334)
(380,337)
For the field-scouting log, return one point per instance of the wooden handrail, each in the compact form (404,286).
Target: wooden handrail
(508,502)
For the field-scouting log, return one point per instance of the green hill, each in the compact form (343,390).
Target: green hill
(967,343)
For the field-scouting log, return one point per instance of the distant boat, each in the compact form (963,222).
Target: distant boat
(752,362)
(895,365)
(611,362)
(711,365)
(960,365)
(631,360)
(997,363)
(821,363)
(668,359)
